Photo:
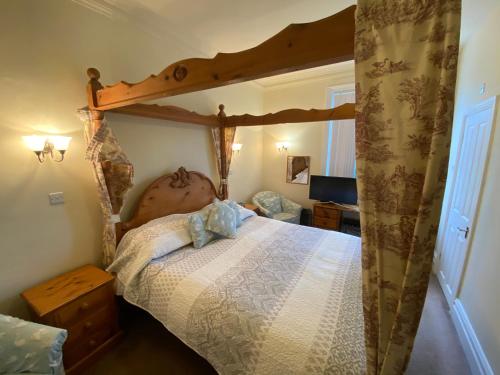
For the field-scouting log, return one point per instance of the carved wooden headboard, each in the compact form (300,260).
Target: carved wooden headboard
(177,193)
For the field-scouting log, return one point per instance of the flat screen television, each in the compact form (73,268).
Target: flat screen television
(333,189)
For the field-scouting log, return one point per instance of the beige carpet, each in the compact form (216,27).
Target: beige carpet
(148,348)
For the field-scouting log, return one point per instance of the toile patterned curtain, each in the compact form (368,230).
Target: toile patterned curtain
(113,173)
(229,134)
(406,60)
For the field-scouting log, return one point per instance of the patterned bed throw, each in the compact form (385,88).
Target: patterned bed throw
(278,299)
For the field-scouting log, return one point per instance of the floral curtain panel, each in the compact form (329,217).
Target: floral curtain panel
(406,60)
(113,173)
(229,134)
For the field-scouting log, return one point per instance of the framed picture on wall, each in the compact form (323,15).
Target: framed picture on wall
(297,171)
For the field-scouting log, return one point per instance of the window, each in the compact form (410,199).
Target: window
(341,149)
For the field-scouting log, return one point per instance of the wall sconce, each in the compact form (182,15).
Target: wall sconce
(53,145)
(282,146)
(237,147)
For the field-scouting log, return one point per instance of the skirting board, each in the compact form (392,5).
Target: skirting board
(474,352)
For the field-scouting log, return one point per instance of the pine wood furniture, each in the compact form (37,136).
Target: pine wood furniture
(329,215)
(176,193)
(252,207)
(82,302)
(297,47)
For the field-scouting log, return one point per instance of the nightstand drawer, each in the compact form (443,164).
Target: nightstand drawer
(72,313)
(94,323)
(327,223)
(74,351)
(326,213)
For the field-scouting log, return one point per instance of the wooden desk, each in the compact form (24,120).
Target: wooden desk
(329,215)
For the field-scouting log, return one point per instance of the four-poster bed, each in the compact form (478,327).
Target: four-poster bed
(297,47)
(404,113)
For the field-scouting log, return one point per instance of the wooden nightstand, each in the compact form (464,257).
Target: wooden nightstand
(82,302)
(252,207)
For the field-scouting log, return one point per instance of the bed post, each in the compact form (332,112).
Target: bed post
(92,86)
(223,155)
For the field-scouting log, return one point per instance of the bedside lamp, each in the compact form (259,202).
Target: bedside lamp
(53,145)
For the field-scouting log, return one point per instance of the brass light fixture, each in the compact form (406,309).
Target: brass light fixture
(282,146)
(237,147)
(53,145)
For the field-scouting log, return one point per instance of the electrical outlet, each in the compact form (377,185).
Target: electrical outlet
(56,198)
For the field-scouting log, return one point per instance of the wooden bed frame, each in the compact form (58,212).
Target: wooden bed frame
(176,193)
(298,46)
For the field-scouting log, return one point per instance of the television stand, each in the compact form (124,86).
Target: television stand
(329,215)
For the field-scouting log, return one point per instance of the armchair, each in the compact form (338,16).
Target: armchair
(276,206)
(30,348)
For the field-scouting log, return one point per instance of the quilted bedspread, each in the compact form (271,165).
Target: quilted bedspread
(278,299)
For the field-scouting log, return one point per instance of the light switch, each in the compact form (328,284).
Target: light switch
(56,198)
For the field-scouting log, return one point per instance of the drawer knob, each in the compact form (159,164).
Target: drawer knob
(88,325)
(92,343)
(85,306)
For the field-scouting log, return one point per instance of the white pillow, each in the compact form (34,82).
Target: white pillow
(164,235)
(152,240)
(245,213)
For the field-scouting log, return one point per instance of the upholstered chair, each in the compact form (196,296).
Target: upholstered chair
(276,206)
(30,348)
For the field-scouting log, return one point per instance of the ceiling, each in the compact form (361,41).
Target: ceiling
(211,26)
(234,25)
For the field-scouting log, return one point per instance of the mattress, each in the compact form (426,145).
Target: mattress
(278,299)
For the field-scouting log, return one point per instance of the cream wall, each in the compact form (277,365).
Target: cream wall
(306,139)
(46,47)
(479,293)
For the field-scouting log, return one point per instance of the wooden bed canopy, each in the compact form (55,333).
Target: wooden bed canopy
(297,47)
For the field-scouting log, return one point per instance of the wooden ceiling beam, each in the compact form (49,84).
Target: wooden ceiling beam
(342,112)
(297,47)
(167,112)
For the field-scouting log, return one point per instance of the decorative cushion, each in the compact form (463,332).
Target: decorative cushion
(197,227)
(236,208)
(222,220)
(272,204)
(245,213)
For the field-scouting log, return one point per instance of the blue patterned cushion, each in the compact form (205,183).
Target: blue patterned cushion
(236,208)
(222,220)
(272,203)
(197,227)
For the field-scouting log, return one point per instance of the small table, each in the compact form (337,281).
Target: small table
(252,207)
(82,302)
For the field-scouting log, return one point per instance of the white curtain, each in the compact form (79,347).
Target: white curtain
(342,155)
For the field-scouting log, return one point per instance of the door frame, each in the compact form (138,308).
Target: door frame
(489,103)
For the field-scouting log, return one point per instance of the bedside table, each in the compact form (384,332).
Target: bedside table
(252,207)
(82,302)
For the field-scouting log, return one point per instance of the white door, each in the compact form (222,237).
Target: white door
(465,191)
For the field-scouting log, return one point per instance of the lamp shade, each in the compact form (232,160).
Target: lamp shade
(60,142)
(35,142)
(283,145)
